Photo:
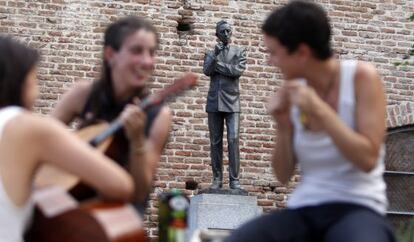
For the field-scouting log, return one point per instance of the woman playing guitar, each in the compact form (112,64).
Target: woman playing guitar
(128,62)
(27,141)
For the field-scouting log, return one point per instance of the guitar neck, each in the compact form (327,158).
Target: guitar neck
(188,81)
(117,125)
(112,129)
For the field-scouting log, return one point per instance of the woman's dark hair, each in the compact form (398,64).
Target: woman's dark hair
(301,22)
(102,91)
(16,61)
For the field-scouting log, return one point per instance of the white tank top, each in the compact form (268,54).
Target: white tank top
(327,176)
(13,219)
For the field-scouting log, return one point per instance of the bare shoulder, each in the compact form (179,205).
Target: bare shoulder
(79,93)
(18,125)
(83,86)
(366,74)
(165,112)
(367,80)
(72,102)
(369,89)
(162,122)
(30,130)
(34,126)
(21,142)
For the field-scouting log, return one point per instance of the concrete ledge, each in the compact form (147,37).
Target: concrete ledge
(221,212)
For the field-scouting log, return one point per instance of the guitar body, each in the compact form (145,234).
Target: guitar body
(59,218)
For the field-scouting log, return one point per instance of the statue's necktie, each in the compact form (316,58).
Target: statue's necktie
(225,50)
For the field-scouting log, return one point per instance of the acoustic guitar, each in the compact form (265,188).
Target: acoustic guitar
(60,217)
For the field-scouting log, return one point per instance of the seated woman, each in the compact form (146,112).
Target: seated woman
(129,57)
(330,116)
(27,141)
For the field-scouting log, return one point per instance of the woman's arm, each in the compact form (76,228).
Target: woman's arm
(58,146)
(283,159)
(145,156)
(72,102)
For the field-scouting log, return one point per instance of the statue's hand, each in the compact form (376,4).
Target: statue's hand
(219,47)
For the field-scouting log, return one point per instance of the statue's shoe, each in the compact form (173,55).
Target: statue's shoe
(216,184)
(235,185)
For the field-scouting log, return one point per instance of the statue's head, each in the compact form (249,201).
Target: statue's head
(223,31)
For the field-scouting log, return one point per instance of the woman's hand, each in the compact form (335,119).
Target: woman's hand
(278,107)
(134,119)
(303,96)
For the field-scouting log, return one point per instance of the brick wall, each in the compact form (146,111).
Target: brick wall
(400,114)
(69,35)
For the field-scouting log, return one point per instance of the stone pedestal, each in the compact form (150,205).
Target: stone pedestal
(221,211)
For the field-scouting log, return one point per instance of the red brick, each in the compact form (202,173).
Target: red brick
(70,41)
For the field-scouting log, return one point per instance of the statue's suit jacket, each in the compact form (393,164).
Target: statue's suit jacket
(224,71)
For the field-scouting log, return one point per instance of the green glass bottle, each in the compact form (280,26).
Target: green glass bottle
(172,216)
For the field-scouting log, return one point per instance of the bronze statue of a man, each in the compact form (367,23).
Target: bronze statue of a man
(224,65)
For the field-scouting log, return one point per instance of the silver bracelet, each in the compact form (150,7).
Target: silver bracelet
(138,150)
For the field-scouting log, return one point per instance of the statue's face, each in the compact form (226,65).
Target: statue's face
(224,33)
